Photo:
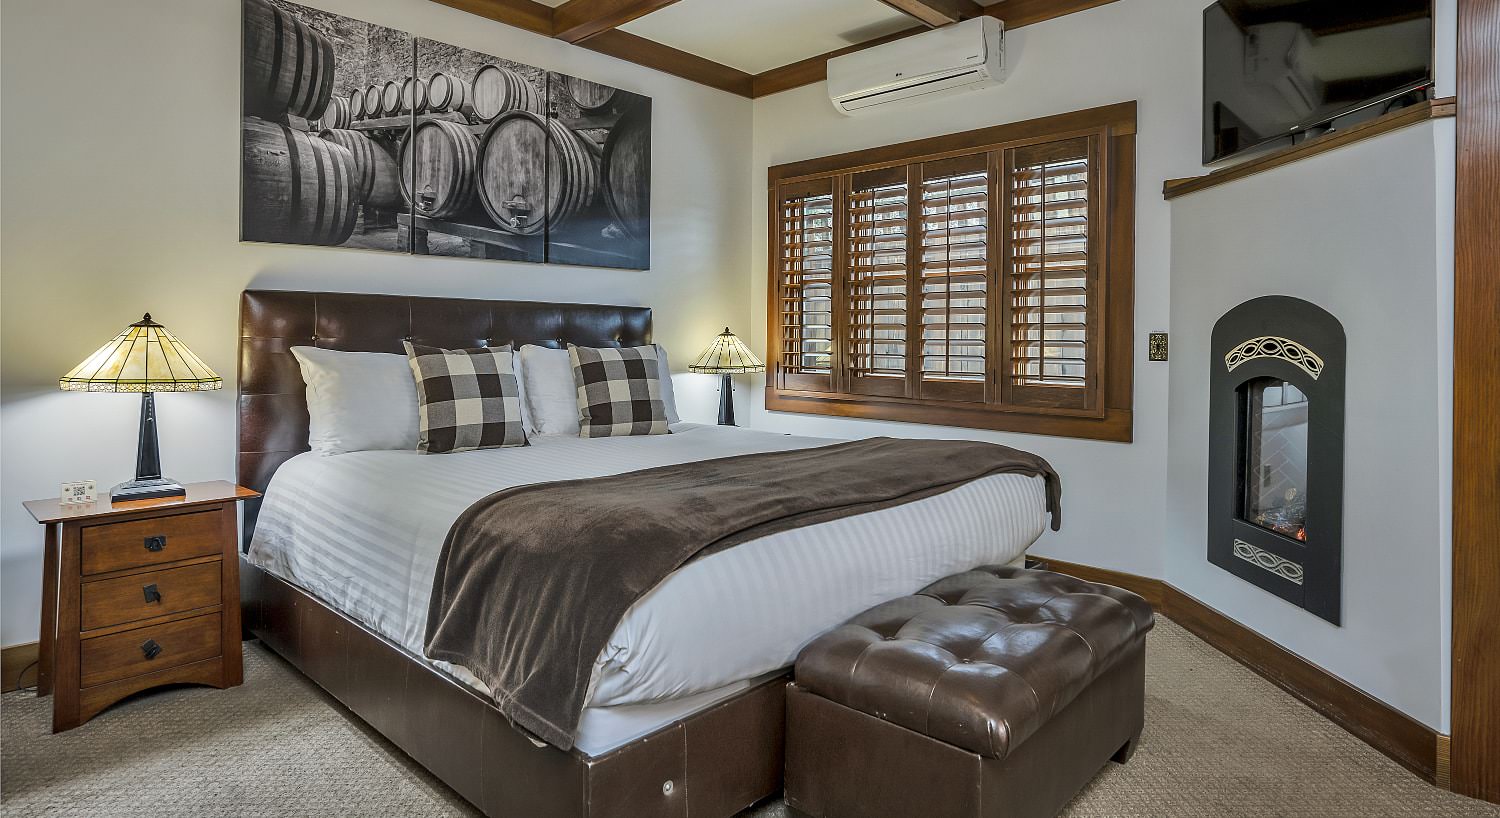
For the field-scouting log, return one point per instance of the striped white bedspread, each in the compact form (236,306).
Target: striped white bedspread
(363,531)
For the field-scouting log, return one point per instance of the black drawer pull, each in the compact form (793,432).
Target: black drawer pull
(150,649)
(157,543)
(152,595)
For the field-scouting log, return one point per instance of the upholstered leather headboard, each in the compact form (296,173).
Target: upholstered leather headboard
(273,399)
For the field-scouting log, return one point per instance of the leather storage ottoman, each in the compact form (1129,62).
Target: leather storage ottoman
(997,692)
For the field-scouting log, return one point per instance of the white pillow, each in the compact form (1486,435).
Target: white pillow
(515,366)
(550,397)
(548,392)
(358,401)
(667,396)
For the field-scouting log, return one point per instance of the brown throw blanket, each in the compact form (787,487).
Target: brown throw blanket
(534,579)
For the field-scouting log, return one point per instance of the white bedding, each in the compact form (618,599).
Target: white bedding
(363,532)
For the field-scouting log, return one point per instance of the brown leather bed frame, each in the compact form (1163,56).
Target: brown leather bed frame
(713,763)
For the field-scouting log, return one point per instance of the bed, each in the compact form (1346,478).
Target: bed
(685,712)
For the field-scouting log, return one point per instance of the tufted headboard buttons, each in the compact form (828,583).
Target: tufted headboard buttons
(272,420)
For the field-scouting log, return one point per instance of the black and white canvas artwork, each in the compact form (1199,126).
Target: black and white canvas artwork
(357,135)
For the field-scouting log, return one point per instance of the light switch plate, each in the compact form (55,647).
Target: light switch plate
(1156,346)
(78,492)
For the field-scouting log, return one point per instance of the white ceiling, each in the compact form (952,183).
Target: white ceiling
(758,35)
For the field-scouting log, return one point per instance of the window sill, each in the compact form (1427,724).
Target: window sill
(1115,426)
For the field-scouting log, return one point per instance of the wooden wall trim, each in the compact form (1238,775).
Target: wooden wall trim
(1415,114)
(13,661)
(1476,393)
(1403,739)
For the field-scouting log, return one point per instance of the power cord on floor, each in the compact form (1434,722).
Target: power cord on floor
(22,675)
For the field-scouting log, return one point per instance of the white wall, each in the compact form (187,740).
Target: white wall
(1145,50)
(1356,231)
(1341,230)
(120,184)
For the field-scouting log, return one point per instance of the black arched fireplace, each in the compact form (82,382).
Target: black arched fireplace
(1276,450)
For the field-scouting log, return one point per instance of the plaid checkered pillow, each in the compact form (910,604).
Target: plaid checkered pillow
(467,399)
(619,391)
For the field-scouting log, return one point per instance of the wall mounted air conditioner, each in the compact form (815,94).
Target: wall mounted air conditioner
(959,57)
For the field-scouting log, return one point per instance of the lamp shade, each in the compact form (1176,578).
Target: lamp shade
(143,358)
(727,355)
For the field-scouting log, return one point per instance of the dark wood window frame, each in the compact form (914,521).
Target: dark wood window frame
(1098,408)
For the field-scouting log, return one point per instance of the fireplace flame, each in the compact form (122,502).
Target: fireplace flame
(1302,533)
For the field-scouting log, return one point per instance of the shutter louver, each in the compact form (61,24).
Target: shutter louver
(805,290)
(876,281)
(1051,264)
(954,273)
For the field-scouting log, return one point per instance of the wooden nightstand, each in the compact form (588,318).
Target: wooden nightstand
(138,594)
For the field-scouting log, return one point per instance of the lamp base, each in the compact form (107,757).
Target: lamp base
(726,402)
(149,489)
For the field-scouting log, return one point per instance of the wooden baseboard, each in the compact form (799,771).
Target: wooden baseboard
(14,660)
(1405,740)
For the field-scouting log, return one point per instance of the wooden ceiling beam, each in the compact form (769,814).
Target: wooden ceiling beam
(528,14)
(815,69)
(936,13)
(578,20)
(1018,13)
(651,54)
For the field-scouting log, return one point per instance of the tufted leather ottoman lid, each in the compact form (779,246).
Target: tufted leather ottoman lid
(979,660)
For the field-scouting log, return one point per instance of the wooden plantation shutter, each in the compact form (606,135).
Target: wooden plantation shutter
(1051,273)
(876,207)
(953,276)
(804,287)
(982,279)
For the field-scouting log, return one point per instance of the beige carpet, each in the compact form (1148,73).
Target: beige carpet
(1220,741)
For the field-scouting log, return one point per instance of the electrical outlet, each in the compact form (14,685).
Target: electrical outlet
(1156,346)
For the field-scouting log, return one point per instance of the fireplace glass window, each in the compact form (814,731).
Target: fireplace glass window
(1274,453)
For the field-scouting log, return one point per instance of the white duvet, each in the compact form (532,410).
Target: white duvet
(363,532)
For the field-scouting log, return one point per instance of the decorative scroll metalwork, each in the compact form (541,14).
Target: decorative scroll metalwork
(1273,346)
(1260,558)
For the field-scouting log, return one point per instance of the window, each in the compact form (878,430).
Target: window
(981,279)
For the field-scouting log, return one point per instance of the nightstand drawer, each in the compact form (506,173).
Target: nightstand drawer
(117,546)
(143,650)
(142,596)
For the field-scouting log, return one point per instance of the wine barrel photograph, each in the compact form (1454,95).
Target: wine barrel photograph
(414,96)
(308,175)
(297,188)
(449,94)
(360,136)
(377,178)
(437,169)
(373,99)
(288,64)
(625,171)
(611,227)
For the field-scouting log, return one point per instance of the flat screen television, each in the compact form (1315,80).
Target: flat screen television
(1274,70)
